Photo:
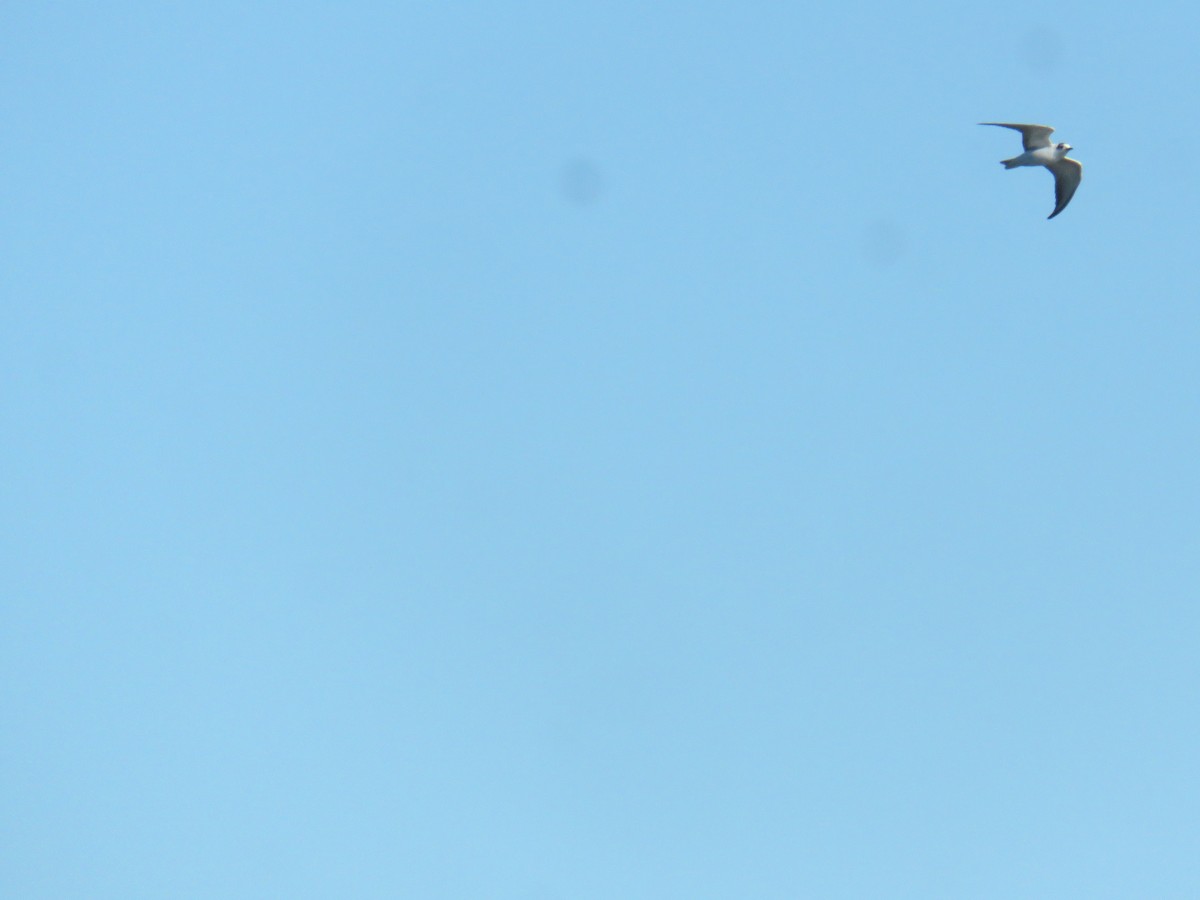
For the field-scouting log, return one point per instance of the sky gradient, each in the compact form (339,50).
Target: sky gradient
(583,451)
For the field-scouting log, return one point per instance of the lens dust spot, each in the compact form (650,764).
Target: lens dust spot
(1042,49)
(581,182)
(883,242)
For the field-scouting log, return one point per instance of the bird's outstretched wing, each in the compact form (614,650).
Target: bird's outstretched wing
(1067,175)
(1032,136)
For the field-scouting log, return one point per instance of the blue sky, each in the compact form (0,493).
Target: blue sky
(553,450)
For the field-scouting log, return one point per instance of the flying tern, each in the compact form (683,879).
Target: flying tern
(1040,152)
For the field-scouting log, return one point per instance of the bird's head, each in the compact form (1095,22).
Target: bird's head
(1064,148)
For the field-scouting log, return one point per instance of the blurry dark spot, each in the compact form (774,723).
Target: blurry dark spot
(883,242)
(1042,49)
(581,182)
(542,892)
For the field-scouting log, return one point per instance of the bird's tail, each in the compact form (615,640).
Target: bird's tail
(1010,163)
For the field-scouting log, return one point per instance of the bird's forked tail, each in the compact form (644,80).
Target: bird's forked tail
(1010,163)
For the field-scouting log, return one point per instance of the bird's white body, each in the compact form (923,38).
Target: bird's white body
(1042,156)
(1039,151)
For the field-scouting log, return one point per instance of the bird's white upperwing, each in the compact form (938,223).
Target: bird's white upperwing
(1033,137)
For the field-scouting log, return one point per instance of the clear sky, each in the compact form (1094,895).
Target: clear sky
(573,451)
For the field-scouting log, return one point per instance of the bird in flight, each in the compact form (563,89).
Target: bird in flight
(1040,152)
